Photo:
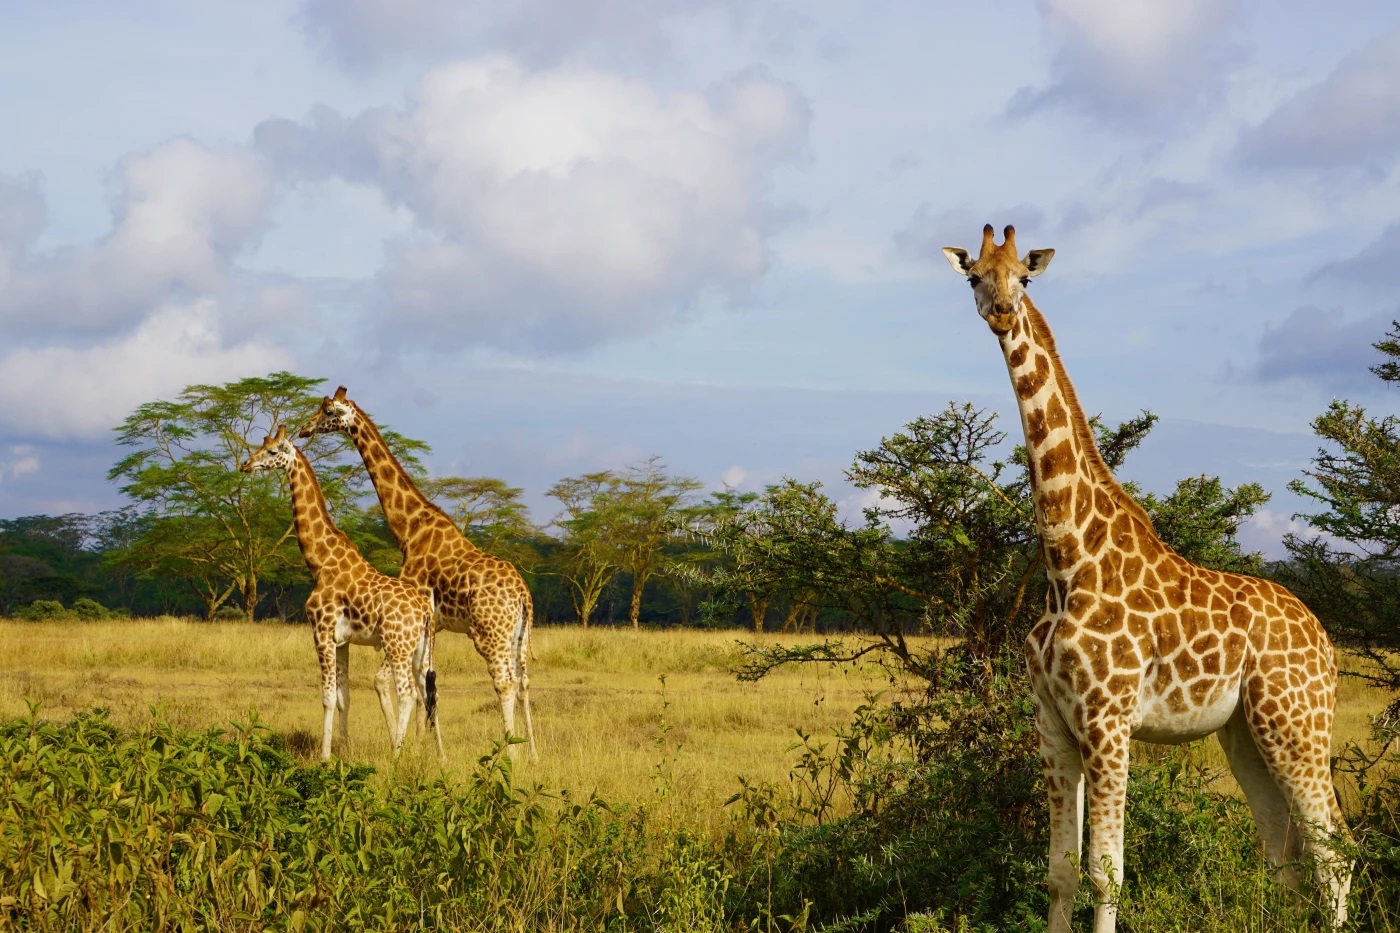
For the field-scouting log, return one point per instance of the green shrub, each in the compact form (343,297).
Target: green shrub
(949,829)
(164,830)
(42,610)
(88,609)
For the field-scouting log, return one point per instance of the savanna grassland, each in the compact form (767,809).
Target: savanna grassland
(604,719)
(610,704)
(195,800)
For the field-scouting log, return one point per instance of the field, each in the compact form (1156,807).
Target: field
(604,719)
(654,723)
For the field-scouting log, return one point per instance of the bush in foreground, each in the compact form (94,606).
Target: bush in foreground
(163,830)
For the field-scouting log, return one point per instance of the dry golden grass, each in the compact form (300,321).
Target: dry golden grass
(604,722)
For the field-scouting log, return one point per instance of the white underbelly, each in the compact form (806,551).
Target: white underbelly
(351,631)
(1161,724)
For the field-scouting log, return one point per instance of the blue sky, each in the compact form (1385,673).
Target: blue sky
(556,237)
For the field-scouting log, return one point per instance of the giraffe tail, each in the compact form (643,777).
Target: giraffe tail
(430,675)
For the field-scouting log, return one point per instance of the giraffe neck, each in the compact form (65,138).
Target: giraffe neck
(321,542)
(405,507)
(1071,485)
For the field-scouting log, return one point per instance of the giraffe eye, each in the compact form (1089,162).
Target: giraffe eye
(974,280)
(1025,281)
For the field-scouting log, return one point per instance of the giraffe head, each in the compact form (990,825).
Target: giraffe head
(337,413)
(276,453)
(997,277)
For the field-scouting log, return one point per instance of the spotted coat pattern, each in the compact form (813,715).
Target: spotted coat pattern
(1136,642)
(351,603)
(475,592)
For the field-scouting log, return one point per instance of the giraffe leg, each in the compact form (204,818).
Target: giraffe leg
(342,684)
(326,655)
(1064,783)
(524,670)
(406,687)
(507,691)
(384,689)
(1282,841)
(1294,738)
(1106,767)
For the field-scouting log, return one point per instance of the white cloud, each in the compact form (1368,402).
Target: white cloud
(1135,64)
(19,460)
(557,209)
(1264,532)
(180,214)
(67,393)
(1348,121)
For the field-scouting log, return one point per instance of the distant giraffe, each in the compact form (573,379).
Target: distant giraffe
(476,593)
(1137,642)
(352,603)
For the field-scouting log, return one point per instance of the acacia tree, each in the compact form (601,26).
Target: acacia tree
(948,548)
(490,512)
(1348,568)
(216,528)
(586,558)
(643,512)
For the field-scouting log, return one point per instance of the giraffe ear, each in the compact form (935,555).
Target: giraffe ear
(340,394)
(958,259)
(1037,260)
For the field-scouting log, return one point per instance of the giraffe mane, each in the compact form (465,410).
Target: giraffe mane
(1082,431)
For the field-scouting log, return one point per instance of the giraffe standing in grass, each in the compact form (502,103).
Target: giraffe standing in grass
(352,603)
(476,593)
(1139,643)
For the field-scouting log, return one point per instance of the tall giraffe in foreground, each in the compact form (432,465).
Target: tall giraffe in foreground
(476,593)
(352,603)
(1137,642)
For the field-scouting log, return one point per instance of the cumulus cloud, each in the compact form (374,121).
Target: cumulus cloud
(71,393)
(559,208)
(362,34)
(181,213)
(1322,346)
(1349,121)
(1138,65)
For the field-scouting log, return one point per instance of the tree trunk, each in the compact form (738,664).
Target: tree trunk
(758,608)
(250,595)
(634,611)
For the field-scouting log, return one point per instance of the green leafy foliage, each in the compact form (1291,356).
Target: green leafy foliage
(204,522)
(166,830)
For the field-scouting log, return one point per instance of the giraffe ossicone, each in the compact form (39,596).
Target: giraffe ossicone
(352,603)
(1136,642)
(475,592)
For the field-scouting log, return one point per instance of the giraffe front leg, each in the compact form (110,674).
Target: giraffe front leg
(1106,766)
(1064,786)
(326,655)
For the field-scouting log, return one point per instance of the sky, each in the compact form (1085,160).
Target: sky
(550,238)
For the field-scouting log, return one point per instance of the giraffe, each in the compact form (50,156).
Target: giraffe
(352,603)
(1136,642)
(476,593)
